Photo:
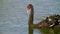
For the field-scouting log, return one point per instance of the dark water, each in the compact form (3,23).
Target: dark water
(44,30)
(14,19)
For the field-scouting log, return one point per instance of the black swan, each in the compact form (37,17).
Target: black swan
(50,21)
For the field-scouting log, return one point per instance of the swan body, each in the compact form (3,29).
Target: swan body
(51,21)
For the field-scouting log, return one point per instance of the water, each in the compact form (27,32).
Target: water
(14,19)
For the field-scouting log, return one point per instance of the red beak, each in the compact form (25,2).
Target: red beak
(28,10)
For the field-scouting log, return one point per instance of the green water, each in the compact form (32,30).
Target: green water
(45,30)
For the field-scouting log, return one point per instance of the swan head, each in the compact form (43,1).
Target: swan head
(29,8)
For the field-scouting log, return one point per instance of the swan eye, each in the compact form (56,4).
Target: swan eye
(49,19)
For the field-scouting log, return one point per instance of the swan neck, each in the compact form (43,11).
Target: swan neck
(31,17)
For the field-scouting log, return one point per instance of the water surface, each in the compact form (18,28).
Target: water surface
(14,19)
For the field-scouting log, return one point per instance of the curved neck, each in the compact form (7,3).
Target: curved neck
(31,16)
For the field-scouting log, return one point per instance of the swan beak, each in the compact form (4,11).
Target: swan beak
(28,10)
